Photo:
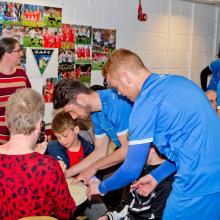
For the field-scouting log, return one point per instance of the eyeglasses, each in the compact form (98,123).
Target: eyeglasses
(18,50)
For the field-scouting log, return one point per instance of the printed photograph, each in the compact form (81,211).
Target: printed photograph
(52,17)
(48,88)
(68,36)
(16,32)
(33,37)
(66,74)
(33,15)
(98,60)
(22,65)
(66,59)
(52,37)
(83,73)
(2,11)
(104,40)
(12,13)
(83,53)
(83,34)
(0,31)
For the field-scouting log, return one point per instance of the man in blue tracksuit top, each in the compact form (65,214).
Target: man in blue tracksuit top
(110,114)
(174,114)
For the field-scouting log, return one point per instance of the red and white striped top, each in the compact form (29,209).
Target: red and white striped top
(8,85)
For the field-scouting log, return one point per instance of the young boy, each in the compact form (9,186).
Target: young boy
(71,148)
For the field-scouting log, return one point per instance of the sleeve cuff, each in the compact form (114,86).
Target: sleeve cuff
(164,170)
(102,189)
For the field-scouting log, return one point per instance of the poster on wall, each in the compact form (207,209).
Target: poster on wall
(52,37)
(104,40)
(12,13)
(83,73)
(42,57)
(66,60)
(66,74)
(83,53)
(68,36)
(16,32)
(48,88)
(22,65)
(98,60)
(2,11)
(33,37)
(104,43)
(83,35)
(33,70)
(52,17)
(33,15)
(0,31)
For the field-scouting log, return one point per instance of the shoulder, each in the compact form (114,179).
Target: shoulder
(86,144)
(44,160)
(56,150)
(20,72)
(55,145)
(104,93)
(112,96)
(215,65)
(94,117)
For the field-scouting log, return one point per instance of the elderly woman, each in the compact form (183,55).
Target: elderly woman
(31,184)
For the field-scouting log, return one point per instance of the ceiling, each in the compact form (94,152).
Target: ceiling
(211,2)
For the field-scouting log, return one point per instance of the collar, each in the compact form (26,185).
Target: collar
(152,81)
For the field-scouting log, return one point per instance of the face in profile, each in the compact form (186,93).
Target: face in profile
(212,96)
(123,84)
(16,54)
(78,111)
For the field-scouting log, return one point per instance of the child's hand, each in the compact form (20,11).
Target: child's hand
(86,175)
(93,187)
(104,217)
(62,165)
(145,185)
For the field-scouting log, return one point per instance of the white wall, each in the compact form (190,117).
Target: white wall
(204,39)
(179,37)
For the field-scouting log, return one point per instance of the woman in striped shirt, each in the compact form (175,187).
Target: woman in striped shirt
(11,78)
